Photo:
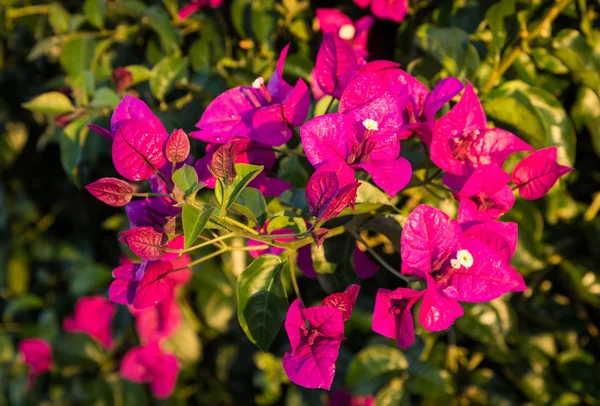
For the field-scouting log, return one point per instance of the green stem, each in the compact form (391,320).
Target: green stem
(204,244)
(329,105)
(292,262)
(150,195)
(515,51)
(382,261)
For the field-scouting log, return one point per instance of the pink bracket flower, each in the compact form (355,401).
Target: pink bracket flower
(462,142)
(357,34)
(337,63)
(263,113)
(93,316)
(392,317)
(149,364)
(37,354)
(394,10)
(157,322)
(315,335)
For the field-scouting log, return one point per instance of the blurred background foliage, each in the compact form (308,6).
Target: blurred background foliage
(536,64)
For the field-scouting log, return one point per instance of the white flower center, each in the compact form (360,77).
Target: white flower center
(371,124)
(454,263)
(347,31)
(464,258)
(258,83)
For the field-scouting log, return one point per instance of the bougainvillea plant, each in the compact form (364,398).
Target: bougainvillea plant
(356,141)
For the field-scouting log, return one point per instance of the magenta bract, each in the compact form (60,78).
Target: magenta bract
(93,316)
(131,107)
(37,354)
(149,364)
(357,34)
(329,191)
(315,334)
(537,173)
(112,191)
(154,286)
(392,317)
(343,301)
(337,62)
(488,188)
(157,322)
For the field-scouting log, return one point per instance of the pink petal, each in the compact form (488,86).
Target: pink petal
(189,9)
(294,324)
(495,145)
(391,176)
(164,377)
(122,291)
(427,238)
(134,365)
(394,10)
(177,147)
(277,87)
(500,237)
(328,138)
(270,187)
(157,322)
(112,191)
(331,20)
(437,311)
(93,316)
(137,150)
(487,279)
(229,115)
(37,353)
(336,65)
(270,127)
(537,173)
(361,36)
(327,321)
(392,316)
(131,107)
(488,188)
(363,266)
(344,301)
(155,286)
(442,93)
(362,3)
(313,366)
(145,242)
(296,104)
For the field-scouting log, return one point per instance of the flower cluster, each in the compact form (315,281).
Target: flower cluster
(379,106)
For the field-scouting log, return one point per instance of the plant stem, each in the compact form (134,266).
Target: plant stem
(150,195)
(292,262)
(204,244)
(382,261)
(329,105)
(512,54)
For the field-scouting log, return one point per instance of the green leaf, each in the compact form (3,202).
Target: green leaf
(582,59)
(77,54)
(84,84)
(165,73)
(50,103)
(251,203)
(95,11)
(323,104)
(72,143)
(427,379)
(263,20)
(7,351)
(373,367)
(22,304)
(77,349)
(105,97)
(245,173)
(262,300)
(393,394)
(58,17)
(215,299)
(160,22)
(584,281)
(239,15)
(538,117)
(186,179)
(139,73)
(288,220)
(450,47)
(495,16)
(586,113)
(194,220)
(18,273)
(546,61)
(580,370)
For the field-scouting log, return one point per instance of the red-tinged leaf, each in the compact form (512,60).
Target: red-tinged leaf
(343,301)
(112,191)
(336,65)
(345,197)
(177,147)
(537,173)
(145,242)
(322,188)
(155,285)
(122,78)
(223,162)
(137,150)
